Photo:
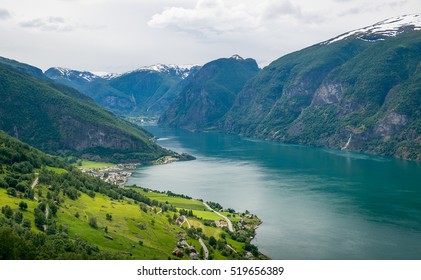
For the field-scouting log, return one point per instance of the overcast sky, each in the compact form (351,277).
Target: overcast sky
(121,35)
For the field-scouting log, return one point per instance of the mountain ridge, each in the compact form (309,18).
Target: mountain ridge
(60,120)
(210,93)
(353,93)
(143,91)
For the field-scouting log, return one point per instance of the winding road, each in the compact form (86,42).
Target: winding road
(230,227)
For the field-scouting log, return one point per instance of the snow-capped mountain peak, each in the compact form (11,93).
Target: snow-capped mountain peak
(56,73)
(179,70)
(69,74)
(386,28)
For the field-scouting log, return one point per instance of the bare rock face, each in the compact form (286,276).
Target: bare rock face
(328,94)
(390,124)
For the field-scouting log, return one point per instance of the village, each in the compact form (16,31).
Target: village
(117,175)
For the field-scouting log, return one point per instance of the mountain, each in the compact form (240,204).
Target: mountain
(25,68)
(60,120)
(145,91)
(359,91)
(210,93)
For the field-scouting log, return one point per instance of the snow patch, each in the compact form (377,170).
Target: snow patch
(236,57)
(179,70)
(387,28)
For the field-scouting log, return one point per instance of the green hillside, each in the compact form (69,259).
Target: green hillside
(147,91)
(51,210)
(362,95)
(210,93)
(60,120)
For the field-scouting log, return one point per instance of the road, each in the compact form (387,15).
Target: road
(205,249)
(230,227)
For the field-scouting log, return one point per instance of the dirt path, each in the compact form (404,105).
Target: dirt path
(230,227)
(35,182)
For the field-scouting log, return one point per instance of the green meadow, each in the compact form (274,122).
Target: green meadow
(123,228)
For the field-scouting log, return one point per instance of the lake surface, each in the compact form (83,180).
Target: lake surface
(315,203)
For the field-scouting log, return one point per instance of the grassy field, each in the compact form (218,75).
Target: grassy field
(94,164)
(56,170)
(131,232)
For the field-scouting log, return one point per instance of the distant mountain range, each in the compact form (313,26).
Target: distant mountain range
(359,91)
(145,91)
(59,120)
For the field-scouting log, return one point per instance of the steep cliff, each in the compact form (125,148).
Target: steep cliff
(360,91)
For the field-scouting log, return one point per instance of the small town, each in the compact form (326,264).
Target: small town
(116,175)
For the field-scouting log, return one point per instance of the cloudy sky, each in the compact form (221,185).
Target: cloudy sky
(121,35)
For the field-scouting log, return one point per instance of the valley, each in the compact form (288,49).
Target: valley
(322,146)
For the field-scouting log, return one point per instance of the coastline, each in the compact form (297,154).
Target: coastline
(243,226)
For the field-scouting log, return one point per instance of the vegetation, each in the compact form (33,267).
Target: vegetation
(323,94)
(57,119)
(210,94)
(61,213)
(141,92)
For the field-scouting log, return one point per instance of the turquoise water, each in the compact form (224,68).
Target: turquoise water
(315,203)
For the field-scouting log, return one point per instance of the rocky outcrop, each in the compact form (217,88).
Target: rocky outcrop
(390,125)
(327,94)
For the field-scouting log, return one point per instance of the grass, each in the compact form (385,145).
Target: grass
(179,202)
(13,202)
(207,215)
(56,170)
(129,224)
(95,164)
(158,238)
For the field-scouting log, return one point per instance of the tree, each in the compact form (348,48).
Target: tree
(39,219)
(7,211)
(18,217)
(109,217)
(53,207)
(212,241)
(23,167)
(22,186)
(26,223)
(3,184)
(11,191)
(93,222)
(51,228)
(23,206)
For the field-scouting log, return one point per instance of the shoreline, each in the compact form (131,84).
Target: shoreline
(245,228)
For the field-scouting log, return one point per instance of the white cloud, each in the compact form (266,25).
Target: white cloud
(184,31)
(209,17)
(4,14)
(58,24)
(49,24)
